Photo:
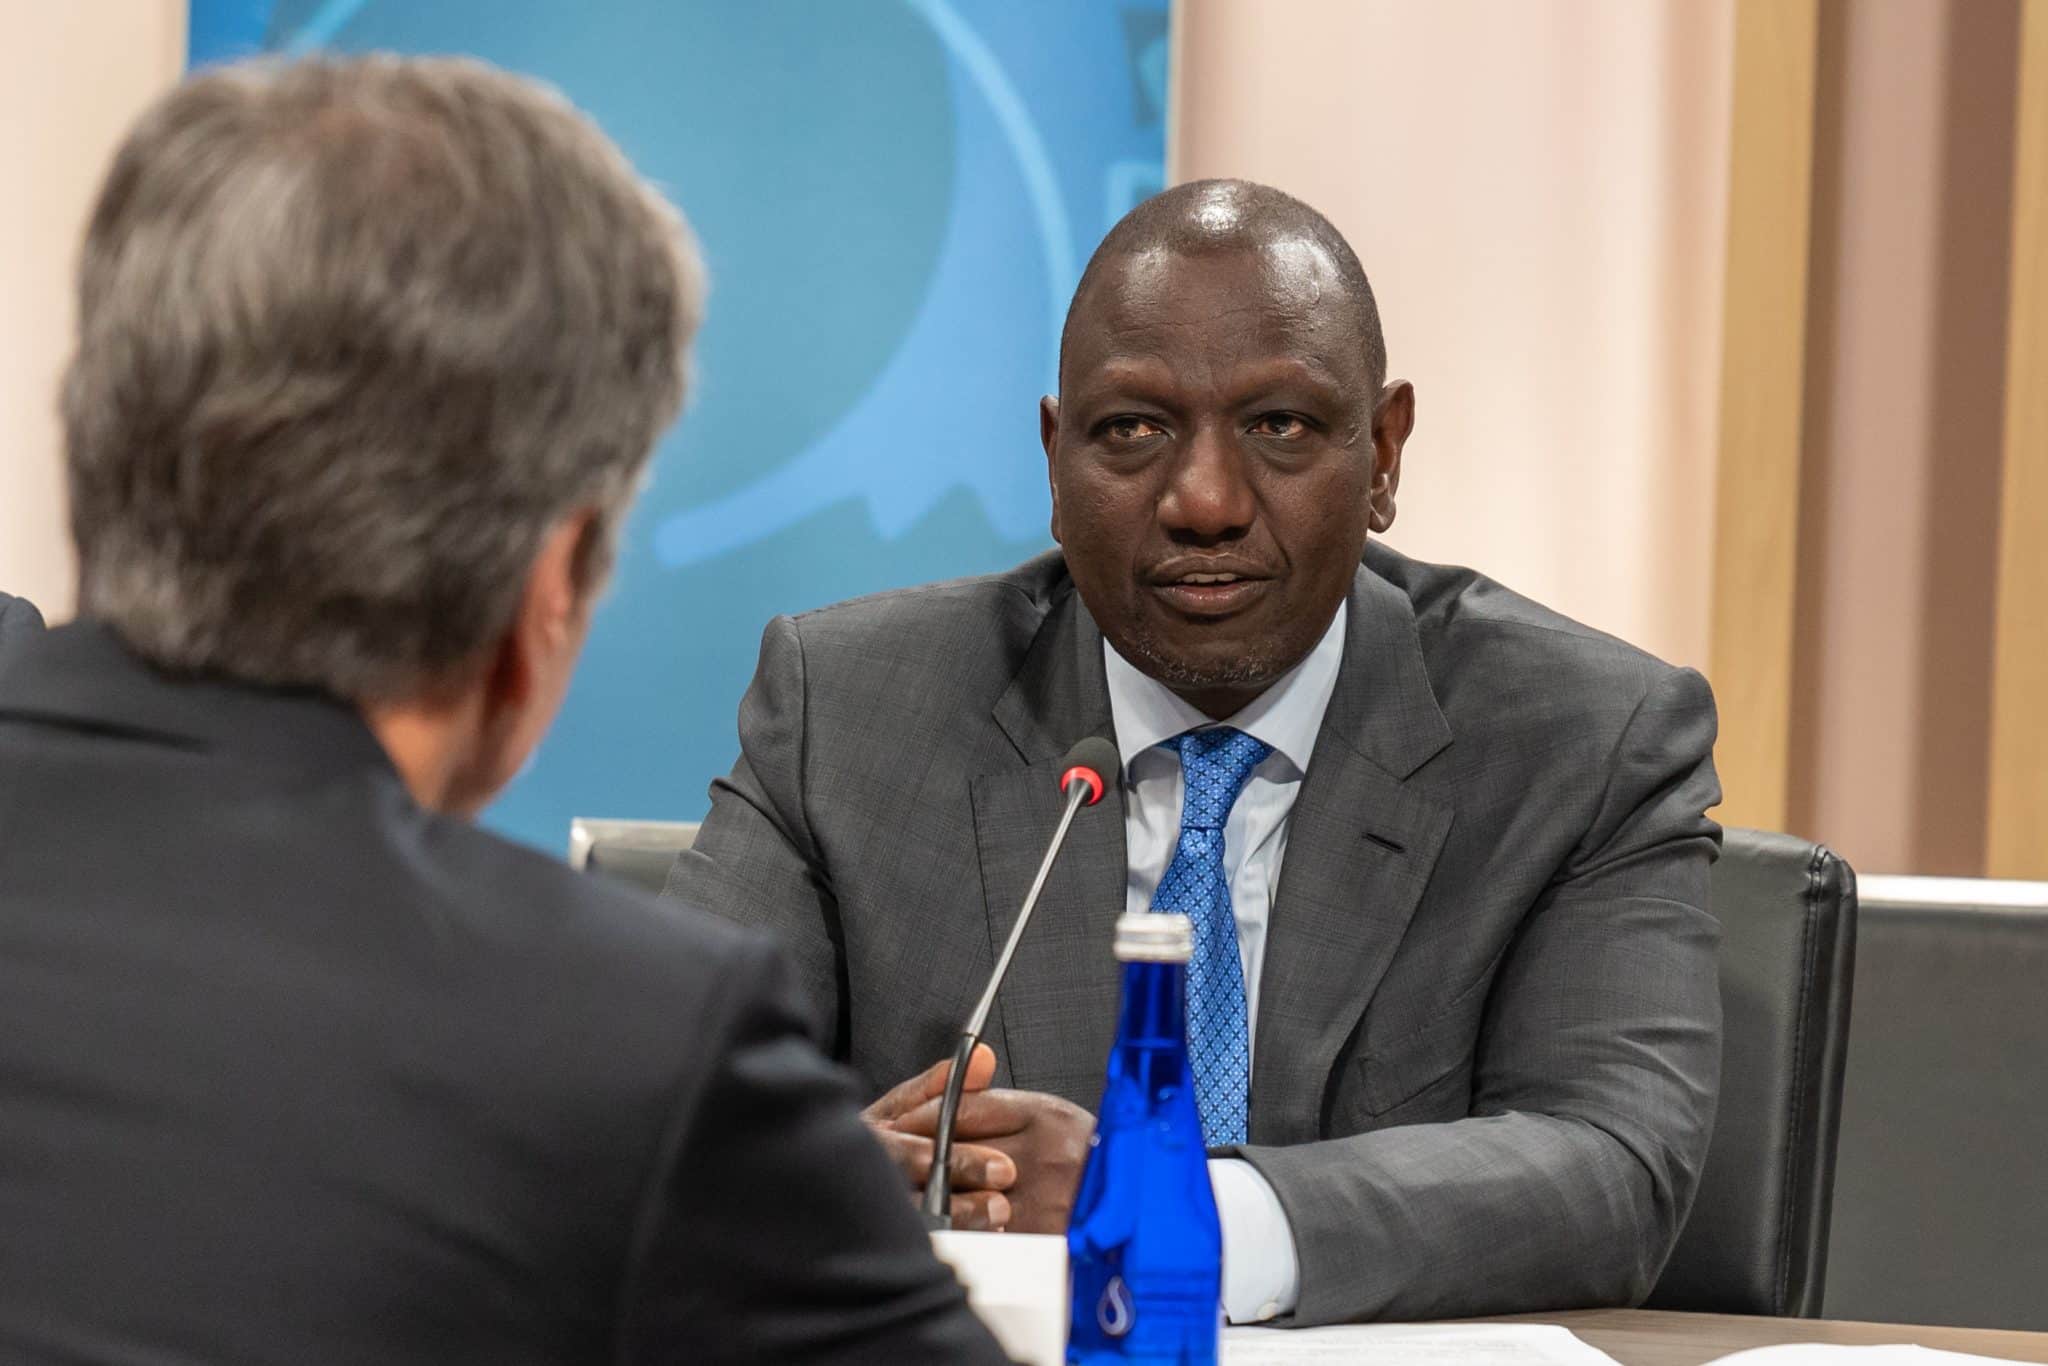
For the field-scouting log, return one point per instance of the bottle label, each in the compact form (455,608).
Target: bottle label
(1114,1313)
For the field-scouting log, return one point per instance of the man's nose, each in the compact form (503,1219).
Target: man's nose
(1207,495)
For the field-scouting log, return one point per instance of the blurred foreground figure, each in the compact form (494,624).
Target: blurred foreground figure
(295,1064)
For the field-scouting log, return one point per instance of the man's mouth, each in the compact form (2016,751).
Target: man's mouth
(1209,593)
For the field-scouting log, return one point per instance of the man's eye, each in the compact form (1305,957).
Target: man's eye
(1280,424)
(1129,429)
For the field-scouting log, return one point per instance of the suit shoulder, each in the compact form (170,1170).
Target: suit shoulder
(1471,624)
(18,613)
(1030,587)
(934,631)
(1507,671)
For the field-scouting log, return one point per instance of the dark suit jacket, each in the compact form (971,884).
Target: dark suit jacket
(19,621)
(1488,1040)
(292,1070)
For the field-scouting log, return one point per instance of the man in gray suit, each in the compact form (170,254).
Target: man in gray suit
(18,620)
(1455,1025)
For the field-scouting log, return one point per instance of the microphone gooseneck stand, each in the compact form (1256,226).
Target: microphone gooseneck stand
(1090,766)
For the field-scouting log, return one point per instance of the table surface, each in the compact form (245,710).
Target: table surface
(1651,1337)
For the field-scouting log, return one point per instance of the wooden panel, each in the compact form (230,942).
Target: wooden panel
(1763,367)
(2017,844)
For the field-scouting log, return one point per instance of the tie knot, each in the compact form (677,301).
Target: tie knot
(1215,765)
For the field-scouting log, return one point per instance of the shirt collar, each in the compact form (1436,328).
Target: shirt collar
(1286,716)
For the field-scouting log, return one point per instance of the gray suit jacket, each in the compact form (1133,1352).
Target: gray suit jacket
(18,621)
(1488,1041)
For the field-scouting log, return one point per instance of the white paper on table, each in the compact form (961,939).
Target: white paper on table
(1834,1354)
(1397,1344)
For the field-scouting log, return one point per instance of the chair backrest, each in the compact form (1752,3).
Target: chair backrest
(1942,1208)
(1757,1238)
(638,851)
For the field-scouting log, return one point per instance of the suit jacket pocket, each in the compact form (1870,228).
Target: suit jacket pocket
(1392,1075)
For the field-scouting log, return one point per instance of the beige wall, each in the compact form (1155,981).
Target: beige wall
(1538,193)
(72,75)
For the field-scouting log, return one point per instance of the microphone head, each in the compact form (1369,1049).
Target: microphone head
(1093,761)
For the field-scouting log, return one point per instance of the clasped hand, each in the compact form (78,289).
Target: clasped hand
(1017,1155)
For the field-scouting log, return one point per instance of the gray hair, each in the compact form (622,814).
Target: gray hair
(352,337)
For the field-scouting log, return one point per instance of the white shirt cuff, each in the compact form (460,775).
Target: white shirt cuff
(1261,1276)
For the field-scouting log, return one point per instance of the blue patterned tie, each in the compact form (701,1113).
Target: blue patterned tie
(1214,766)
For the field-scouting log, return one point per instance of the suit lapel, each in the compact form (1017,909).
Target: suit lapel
(1361,845)
(1056,1014)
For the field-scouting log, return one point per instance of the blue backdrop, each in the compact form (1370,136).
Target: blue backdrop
(895,198)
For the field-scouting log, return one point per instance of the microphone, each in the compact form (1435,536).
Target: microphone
(1085,774)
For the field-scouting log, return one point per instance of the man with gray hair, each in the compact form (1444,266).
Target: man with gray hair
(295,1064)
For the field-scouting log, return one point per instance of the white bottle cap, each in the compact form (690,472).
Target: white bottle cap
(1154,937)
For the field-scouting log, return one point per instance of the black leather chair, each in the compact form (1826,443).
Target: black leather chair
(1941,1213)
(638,851)
(1757,1238)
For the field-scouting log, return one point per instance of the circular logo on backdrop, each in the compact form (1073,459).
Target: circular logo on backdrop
(895,198)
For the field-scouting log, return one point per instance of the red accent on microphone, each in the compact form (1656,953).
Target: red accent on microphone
(1086,775)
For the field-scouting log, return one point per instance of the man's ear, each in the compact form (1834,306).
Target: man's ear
(1393,418)
(1049,437)
(550,611)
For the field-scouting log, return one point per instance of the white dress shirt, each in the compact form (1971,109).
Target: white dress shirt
(1261,1273)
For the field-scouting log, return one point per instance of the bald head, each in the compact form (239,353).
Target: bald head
(1210,217)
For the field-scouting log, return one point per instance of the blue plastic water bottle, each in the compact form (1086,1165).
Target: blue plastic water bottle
(1144,1249)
